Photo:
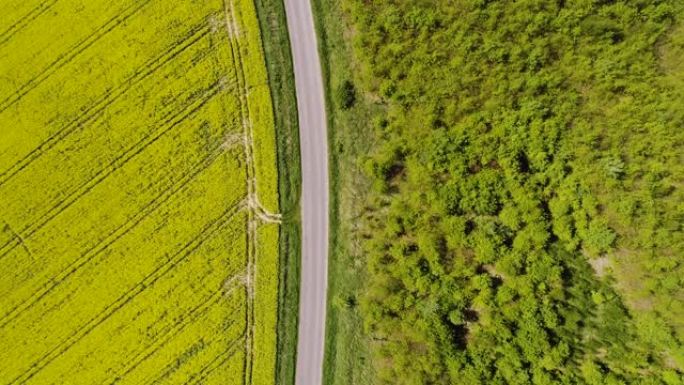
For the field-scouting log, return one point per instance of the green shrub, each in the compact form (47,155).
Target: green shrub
(346,95)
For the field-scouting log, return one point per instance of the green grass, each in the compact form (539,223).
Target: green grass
(346,362)
(281,81)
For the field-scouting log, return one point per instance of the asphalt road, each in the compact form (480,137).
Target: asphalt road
(314,155)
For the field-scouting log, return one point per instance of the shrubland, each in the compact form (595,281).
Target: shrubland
(524,220)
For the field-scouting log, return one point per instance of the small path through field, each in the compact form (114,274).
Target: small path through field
(314,155)
(256,212)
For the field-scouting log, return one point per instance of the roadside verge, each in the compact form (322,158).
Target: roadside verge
(347,358)
(281,82)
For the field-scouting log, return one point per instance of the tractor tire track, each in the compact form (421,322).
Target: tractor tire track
(262,213)
(68,56)
(168,370)
(110,239)
(172,331)
(214,364)
(180,360)
(179,326)
(208,231)
(232,29)
(167,335)
(105,100)
(256,211)
(25,21)
(170,123)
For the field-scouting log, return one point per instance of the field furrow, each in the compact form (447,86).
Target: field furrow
(25,20)
(19,283)
(105,100)
(127,297)
(111,64)
(69,55)
(178,120)
(132,226)
(16,11)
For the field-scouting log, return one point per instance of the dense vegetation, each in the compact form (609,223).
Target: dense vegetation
(525,220)
(138,194)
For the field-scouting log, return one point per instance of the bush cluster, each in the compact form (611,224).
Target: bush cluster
(520,142)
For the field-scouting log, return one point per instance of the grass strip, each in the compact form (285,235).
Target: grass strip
(275,40)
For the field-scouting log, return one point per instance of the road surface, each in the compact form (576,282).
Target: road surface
(314,154)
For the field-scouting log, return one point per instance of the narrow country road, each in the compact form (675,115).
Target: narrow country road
(314,155)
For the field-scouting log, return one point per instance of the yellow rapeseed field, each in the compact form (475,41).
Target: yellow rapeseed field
(138,194)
